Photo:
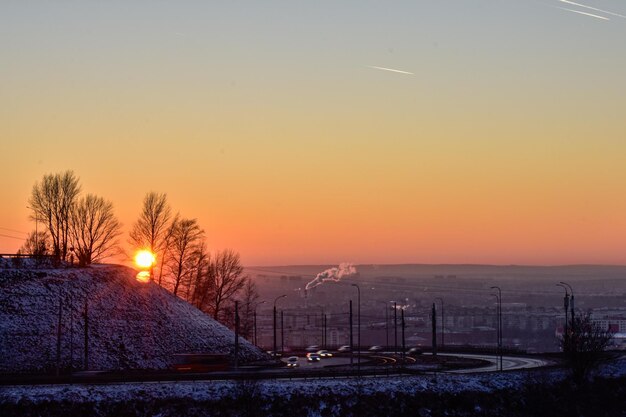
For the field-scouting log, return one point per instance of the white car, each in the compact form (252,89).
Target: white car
(292,362)
(324,354)
(344,348)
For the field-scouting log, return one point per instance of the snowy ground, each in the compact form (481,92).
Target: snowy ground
(132,325)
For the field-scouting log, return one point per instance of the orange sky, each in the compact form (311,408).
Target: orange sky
(506,145)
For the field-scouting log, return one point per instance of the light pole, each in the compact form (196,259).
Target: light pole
(359,324)
(442,323)
(495,287)
(256,340)
(395,327)
(571,302)
(277,298)
(322,326)
(566,306)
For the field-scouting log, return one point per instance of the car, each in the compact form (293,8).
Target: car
(375,348)
(275,355)
(313,357)
(324,354)
(414,351)
(312,348)
(344,348)
(292,362)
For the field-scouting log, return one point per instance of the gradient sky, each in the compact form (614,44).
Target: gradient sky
(266,121)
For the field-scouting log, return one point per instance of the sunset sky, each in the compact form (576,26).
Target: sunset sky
(502,141)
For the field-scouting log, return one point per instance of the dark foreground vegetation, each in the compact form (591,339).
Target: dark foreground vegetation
(602,397)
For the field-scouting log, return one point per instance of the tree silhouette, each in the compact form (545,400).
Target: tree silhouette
(52,201)
(583,346)
(94,230)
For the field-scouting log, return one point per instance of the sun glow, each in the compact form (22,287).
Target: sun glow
(145,259)
(143,276)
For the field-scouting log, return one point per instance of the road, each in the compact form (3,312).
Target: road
(509,363)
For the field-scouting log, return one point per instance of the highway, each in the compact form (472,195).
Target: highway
(509,363)
(379,364)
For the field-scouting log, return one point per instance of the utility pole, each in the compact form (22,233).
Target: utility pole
(571,303)
(499,322)
(236,334)
(386,326)
(72,336)
(59,334)
(277,298)
(395,328)
(443,329)
(566,306)
(351,338)
(256,342)
(86,354)
(256,339)
(403,340)
(325,334)
(282,333)
(359,324)
(434,329)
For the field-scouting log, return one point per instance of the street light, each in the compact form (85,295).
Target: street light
(571,302)
(442,322)
(256,340)
(499,322)
(566,306)
(359,324)
(395,327)
(277,298)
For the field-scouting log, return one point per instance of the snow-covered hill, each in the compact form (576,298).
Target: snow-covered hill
(131,325)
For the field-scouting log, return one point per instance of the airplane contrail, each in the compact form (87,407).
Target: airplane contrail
(584,13)
(390,69)
(593,8)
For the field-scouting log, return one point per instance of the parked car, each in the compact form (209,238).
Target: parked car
(324,354)
(292,362)
(313,357)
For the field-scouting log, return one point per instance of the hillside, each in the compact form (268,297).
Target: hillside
(132,325)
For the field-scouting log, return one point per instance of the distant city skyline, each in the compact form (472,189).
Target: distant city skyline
(322,132)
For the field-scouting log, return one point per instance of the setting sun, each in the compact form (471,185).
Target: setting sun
(144,259)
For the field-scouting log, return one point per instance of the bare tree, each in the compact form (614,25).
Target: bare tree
(185,241)
(154,227)
(249,301)
(584,345)
(221,281)
(94,230)
(200,265)
(52,201)
(37,244)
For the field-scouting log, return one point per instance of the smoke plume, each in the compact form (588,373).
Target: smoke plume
(332,274)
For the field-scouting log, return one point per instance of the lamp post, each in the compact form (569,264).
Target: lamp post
(395,327)
(566,306)
(322,326)
(442,323)
(359,324)
(571,302)
(256,340)
(495,287)
(277,298)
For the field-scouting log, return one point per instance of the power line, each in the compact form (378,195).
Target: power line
(12,237)
(13,230)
